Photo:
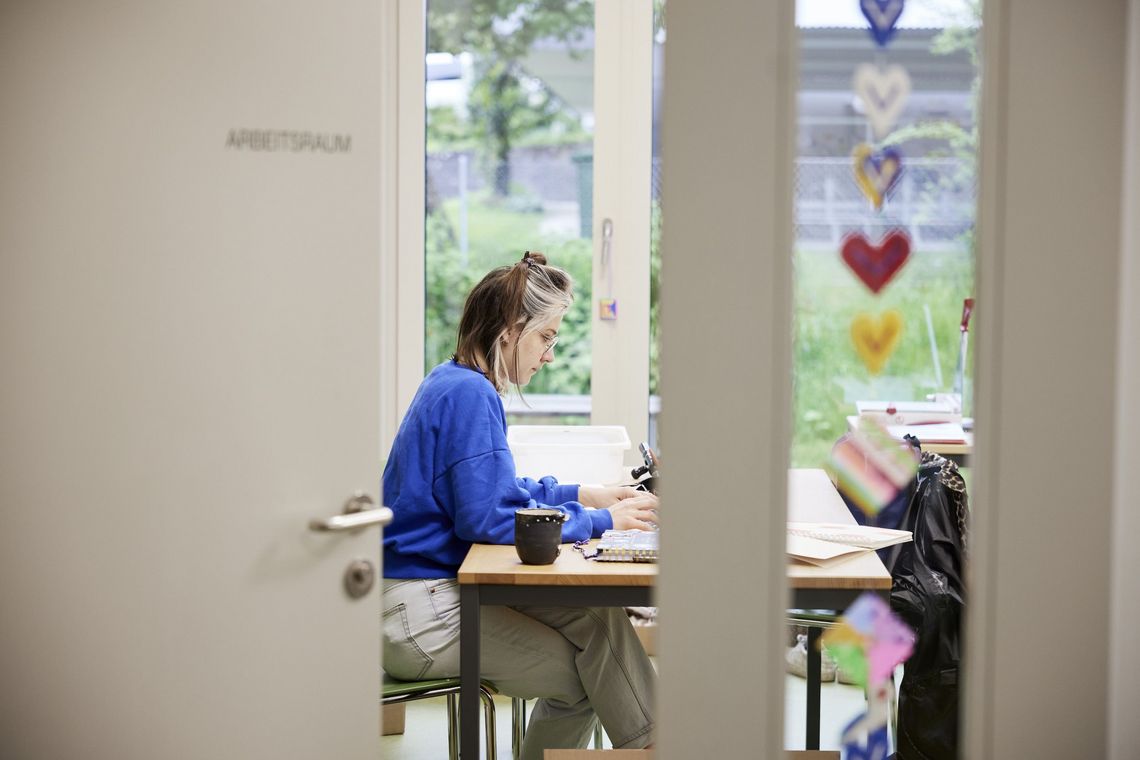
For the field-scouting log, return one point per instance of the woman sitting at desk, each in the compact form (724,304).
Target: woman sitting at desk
(450,482)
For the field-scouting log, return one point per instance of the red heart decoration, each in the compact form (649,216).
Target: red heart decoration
(876,265)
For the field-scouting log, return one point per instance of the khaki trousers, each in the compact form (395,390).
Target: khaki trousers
(581,664)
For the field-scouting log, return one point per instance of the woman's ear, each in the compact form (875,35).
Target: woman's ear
(510,337)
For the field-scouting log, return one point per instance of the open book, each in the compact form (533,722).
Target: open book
(628,546)
(860,536)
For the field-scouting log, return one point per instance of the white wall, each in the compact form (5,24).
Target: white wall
(1124,657)
(1048,267)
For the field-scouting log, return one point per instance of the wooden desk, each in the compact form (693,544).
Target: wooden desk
(493,575)
(956,451)
(812,498)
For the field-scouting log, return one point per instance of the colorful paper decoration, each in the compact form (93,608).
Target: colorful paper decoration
(883,15)
(849,650)
(876,265)
(875,338)
(877,171)
(607,309)
(870,639)
(871,467)
(884,92)
(891,641)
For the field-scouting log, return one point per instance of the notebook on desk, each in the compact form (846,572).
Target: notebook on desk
(826,544)
(628,546)
(821,553)
(862,536)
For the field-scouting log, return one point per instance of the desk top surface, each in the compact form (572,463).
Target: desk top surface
(811,498)
(500,564)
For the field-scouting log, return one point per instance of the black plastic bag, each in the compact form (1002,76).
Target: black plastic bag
(928,593)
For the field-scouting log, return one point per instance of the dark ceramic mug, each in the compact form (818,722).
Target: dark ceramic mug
(538,534)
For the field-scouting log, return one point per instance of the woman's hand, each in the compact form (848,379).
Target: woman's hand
(638,511)
(601,497)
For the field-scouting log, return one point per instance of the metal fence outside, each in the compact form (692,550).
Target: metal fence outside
(934,200)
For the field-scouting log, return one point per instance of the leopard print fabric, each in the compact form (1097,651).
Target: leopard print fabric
(953,481)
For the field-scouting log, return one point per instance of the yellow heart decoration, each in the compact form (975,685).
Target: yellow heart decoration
(875,339)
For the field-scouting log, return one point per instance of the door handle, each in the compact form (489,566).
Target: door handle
(359,511)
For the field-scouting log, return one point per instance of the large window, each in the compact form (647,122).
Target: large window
(509,162)
(885,200)
(524,152)
(933,202)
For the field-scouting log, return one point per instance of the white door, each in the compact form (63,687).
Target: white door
(189,372)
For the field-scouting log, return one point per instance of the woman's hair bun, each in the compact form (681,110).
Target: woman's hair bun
(533,257)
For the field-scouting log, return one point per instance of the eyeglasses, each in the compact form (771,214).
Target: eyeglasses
(550,343)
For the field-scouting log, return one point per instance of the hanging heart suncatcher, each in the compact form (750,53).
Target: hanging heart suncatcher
(876,265)
(883,92)
(877,171)
(883,15)
(875,339)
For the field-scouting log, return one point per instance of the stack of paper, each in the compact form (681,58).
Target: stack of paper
(909,412)
(941,432)
(821,553)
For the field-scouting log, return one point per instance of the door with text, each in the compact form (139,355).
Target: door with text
(190,238)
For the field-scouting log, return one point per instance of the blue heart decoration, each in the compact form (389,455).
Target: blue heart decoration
(883,168)
(883,15)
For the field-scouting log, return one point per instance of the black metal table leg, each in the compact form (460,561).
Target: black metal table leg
(814,664)
(469,672)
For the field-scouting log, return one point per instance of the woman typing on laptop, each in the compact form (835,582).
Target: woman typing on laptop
(450,482)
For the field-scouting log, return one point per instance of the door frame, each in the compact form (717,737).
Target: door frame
(401,217)
(726,335)
(1047,393)
(623,166)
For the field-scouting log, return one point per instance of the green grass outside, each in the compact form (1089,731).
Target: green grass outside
(828,374)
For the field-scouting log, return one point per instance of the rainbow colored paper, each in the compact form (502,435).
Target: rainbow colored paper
(871,467)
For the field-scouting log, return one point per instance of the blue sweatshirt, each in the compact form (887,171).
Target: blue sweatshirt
(450,480)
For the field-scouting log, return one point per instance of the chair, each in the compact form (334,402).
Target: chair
(396,692)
